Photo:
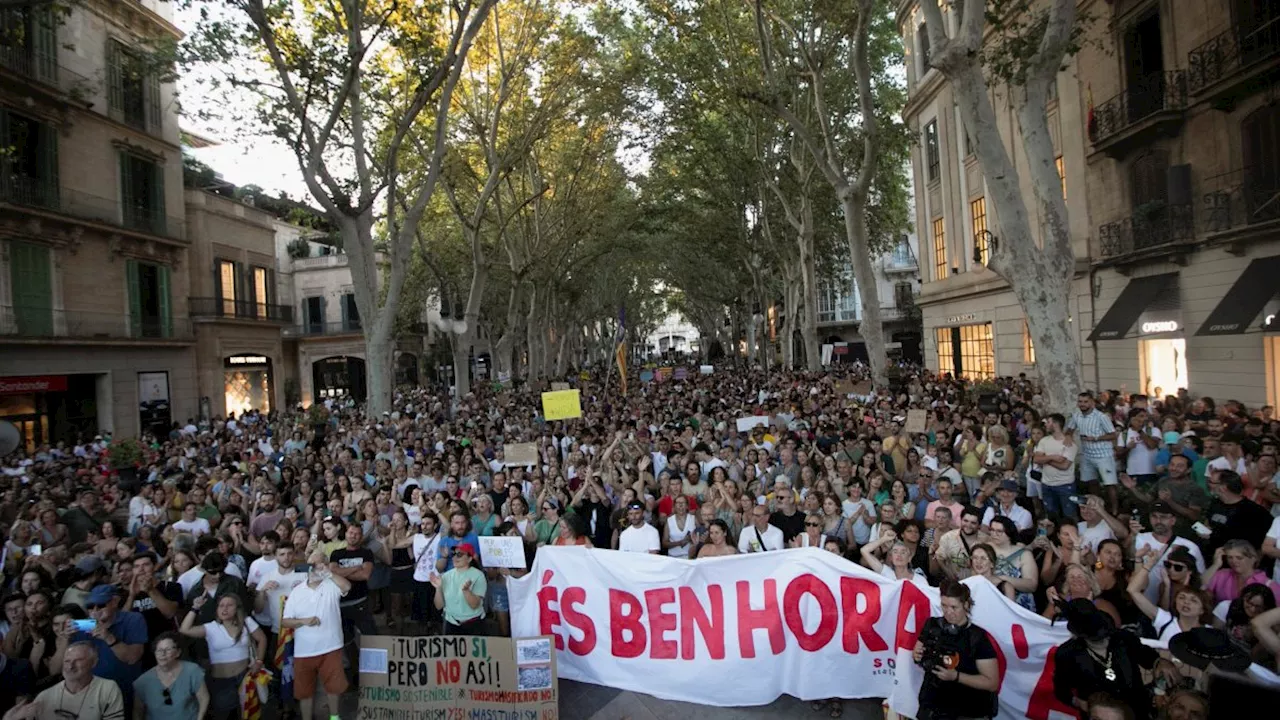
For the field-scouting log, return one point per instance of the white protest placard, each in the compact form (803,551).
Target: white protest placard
(520,455)
(502,552)
(746,423)
(706,369)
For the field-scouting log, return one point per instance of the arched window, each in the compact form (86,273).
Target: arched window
(1148,184)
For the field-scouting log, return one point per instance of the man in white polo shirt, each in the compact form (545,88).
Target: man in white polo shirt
(640,536)
(312,611)
(760,536)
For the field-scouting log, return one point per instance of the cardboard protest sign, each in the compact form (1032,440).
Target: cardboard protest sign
(664,374)
(457,676)
(520,454)
(681,373)
(646,376)
(706,369)
(558,386)
(561,405)
(916,420)
(746,423)
(502,551)
(844,387)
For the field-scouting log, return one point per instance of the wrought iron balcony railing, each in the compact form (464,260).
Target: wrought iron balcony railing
(310,329)
(50,323)
(210,307)
(1240,198)
(1152,94)
(21,61)
(1230,52)
(1149,226)
(38,193)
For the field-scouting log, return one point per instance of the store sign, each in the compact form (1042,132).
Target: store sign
(1159,326)
(33,384)
(247,360)
(967,317)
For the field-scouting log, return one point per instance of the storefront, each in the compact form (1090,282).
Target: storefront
(248,383)
(338,377)
(50,408)
(1150,308)
(966,350)
(1253,305)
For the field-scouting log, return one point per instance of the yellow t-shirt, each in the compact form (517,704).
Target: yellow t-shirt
(971,463)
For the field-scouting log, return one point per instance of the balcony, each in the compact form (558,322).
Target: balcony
(1235,63)
(1149,108)
(21,64)
(1240,200)
(1150,226)
(832,317)
(209,307)
(40,194)
(311,329)
(52,325)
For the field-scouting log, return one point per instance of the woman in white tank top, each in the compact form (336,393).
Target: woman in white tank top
(236,647)
(677,535)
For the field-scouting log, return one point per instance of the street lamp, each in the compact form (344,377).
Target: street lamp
(986,238)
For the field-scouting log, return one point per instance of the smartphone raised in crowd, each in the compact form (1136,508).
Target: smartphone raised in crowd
(84,625)
(302,567)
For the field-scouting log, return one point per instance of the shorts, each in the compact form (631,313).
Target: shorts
(326,667)
(1093,468)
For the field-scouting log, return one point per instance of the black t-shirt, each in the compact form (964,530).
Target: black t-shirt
(157,623)
(790,525)
(348,558)
(498,498)
(1244,520)
(1077,674)
(951,699)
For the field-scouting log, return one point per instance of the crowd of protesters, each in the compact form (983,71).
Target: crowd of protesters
(156,597)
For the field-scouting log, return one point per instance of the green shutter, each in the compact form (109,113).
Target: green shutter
(126,188)
(31,279)
(154,118)
(166,305)
(48,178)
(45,45)
(7,190)
(156,207)
(135,299)
(115,76)
(346,319)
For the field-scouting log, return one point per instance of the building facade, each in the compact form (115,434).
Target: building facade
(840,309)
(95,333)
(1167,133)
(235,307)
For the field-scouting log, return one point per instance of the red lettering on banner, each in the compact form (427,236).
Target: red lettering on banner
(661,623)
(578,596)
(768,618)
(548,619)
(912,601)
(1043,700)
(1001,663)
(861,624)
(1020,645)
(624,616)
(711,628)
(809,584)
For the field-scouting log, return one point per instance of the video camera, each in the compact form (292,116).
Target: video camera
(941,648)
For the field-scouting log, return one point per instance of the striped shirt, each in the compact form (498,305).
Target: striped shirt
(1095,424)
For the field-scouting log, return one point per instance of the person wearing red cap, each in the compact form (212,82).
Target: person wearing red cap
(460,593)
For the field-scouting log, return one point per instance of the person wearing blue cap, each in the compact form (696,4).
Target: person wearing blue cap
(120,637)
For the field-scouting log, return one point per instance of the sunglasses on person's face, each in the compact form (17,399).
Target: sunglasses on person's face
(459,553)
(813,524)
(1175,567)
(94,607)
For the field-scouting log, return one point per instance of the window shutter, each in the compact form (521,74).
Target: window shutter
(126,186)
(158,215)
(6,165)
(166,307)
(135,299)
(115,76)
(271,286)
(155,119)
(48,179)
(45,47)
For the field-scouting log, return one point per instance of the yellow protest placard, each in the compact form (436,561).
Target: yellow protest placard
(561,405)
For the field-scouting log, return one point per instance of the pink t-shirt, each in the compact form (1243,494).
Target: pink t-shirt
(1223,585)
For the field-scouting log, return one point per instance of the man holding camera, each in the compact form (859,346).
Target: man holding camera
(962,674)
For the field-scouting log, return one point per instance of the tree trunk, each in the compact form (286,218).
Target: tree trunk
(462,350)
(872,330)
(789,325)
(809,280)
(378,320)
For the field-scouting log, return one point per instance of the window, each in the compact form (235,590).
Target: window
(142,194)
(31,288)
(263,283)
(968,143)
(350,314)
(150,315)
(29,42)
(939,250)
(977,352)
(978,211)
(1062,175)
(1028,347)
(922,43)
(313,314)
(29,164)
(1260,143)
(903,297)
(946,351)
(227,277)
(133,89)
(931,153)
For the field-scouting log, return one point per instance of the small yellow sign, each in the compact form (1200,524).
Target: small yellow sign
(561,405)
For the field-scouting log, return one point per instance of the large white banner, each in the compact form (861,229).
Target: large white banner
(745,629)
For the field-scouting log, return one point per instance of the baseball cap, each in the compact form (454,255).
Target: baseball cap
(1008,484)
(101,595)
(1161,507)
(89,564)
(465,547)
(635,505)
